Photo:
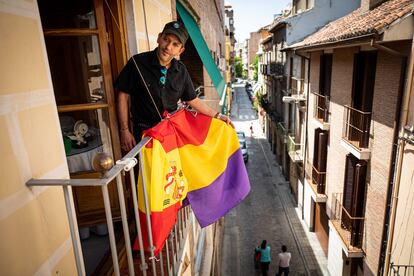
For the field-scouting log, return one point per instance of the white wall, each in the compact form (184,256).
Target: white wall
(307,205)
(300,194)
(303,24)
(335,261)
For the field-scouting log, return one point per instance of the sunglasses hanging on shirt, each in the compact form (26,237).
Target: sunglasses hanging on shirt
(163,78)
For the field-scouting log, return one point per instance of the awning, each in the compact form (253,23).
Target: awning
(203,51)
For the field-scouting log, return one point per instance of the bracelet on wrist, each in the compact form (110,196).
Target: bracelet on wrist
(218,115)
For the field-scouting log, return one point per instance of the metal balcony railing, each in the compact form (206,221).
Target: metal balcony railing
(265,69)
(356,127)
(282,131)
(174,246)
(321,107)
(315,177)
(401,270)
(294,148)
(349,228)
(277,69)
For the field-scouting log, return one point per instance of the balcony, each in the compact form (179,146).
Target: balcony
(294,149)
(277,69)
(168,262)
(317,182)
(355,133)
(398,270)
(349,228)
(282,131)
(321,111)
(265,69)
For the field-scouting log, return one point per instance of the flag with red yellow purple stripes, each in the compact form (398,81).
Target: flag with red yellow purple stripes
(191,156)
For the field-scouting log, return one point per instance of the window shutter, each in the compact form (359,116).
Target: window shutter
(315,156)
(359,189)
(348,189)
(316,147)
(322,156)
(358,203)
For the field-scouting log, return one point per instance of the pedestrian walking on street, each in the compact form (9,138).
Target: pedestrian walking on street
(264,251)
(284,260)
(251,130)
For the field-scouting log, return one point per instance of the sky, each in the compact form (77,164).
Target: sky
(251,15)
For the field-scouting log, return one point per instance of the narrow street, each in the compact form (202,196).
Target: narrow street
(268,212)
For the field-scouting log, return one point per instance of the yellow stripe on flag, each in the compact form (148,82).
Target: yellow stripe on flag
(201,164)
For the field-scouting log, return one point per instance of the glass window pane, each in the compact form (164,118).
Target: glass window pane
(76,69)
(67,14)
(85,133)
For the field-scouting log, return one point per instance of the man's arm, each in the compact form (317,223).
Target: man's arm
(127,139)
(201,107)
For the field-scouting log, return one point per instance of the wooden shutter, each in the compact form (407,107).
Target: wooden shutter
(348,189)
(316,147)
(358,202)
(319,159)
(325,75)
(323,152)
(362,95)
(315,156)
(354,197)
(359,189)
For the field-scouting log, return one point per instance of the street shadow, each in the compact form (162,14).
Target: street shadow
(283,210)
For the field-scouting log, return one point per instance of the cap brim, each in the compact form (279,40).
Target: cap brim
(177,34)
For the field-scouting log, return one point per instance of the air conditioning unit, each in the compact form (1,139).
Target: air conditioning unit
(288,99)
(293,99)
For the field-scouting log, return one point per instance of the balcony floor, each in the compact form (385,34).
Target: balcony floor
(350,251)
(315,195)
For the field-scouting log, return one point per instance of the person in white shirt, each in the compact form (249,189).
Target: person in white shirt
(284,260)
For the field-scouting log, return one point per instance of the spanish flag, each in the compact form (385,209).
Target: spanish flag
(191,156)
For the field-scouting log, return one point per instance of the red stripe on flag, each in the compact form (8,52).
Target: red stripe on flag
(182,128)
(162,224)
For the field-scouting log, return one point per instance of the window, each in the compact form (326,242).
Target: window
(354,197)
(325,74)
(320,151)
(364,80)
(358,116)
(81,67)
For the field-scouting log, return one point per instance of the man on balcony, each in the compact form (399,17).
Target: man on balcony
(153,82)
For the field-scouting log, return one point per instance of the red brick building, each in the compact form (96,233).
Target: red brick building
(358,69)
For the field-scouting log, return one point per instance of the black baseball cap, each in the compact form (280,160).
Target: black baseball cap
(178,29)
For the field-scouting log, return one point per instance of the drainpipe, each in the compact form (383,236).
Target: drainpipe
(395,175)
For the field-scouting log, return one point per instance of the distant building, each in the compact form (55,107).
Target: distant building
(229,52)
(253,47)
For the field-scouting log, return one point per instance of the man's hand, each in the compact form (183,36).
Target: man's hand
(127,140)
(201,107)
(226,119)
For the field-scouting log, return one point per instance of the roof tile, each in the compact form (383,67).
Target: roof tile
(360,22)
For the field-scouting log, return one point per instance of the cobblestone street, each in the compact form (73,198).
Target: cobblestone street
(268,212)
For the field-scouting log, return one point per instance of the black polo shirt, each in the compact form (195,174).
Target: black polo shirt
(178,85)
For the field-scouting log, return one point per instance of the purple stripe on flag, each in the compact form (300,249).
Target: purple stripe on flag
(226,192)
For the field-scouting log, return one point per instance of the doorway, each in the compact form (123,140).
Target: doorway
(83,57)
